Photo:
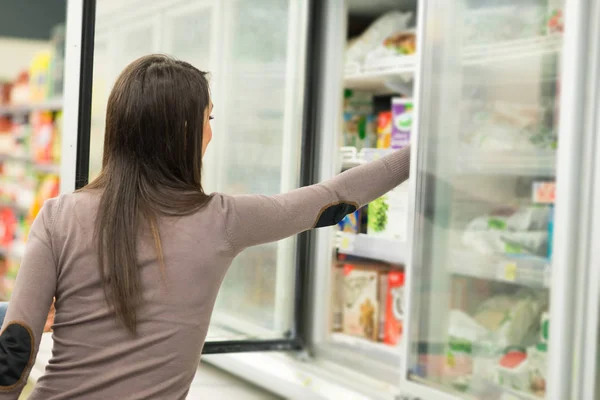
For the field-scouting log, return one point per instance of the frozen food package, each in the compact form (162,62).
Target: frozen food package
(384,130)
(375,34)
(512,319)
(487,222)
(355,129)
(533,218)
(337,300)
(402,118)
(394,308)
(463,333)
(361,301)
(487,25)
(532,243)
(358,102)
(351,222)
(388,215)
(383,306)
(401,43)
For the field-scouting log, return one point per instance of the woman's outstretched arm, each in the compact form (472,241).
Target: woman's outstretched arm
(253,219)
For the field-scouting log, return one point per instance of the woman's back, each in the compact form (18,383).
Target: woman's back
(93,356)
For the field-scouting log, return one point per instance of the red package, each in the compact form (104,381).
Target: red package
(394,308)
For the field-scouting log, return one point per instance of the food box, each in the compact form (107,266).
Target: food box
(402,118)
(394,307)
(387,216)
(361,301)
(513,370)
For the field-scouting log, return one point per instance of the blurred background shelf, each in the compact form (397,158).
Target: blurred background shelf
(48,105)
(17,208)
(527,271)
(372,248)
(44,167)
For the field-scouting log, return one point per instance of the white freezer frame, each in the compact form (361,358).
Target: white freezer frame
(572,102)
(587,320)
(68,158)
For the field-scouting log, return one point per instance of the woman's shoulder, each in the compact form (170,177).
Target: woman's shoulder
(70,207)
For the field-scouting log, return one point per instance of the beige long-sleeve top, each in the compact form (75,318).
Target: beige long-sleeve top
(94,357)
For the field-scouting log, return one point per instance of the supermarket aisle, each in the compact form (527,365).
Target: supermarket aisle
(212,383)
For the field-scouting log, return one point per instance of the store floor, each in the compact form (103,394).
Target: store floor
(211,383)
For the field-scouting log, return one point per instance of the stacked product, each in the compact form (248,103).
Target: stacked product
(387,129)
(523,232)
(503,342)
(368,300)
(389,37)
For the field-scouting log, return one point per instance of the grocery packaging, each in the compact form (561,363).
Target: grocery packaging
(43,136)
(358,102)
(384,130)
(361,301)
(513,369)
(359,128)
(506,126)
(524,232)
(463,334)
(388,215)
(376,34)
(38,77)
(394,307)
(359,131)
(538,366)
(56,65)
(543,192)
(337,298)
(401,43)
(402,110)
(533,218)
(511,319)
(555,23)
(488,25)
(383,292)
(20,89)
(351,222)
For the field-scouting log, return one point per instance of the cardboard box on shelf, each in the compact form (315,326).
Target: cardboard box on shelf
(388,215)
(361,301)
(402,117)
(394,307)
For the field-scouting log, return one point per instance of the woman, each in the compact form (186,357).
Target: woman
(134,261)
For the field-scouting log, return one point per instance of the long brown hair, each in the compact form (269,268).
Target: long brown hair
(152,166)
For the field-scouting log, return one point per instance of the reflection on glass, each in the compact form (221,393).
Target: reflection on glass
(243,44)
(480,312)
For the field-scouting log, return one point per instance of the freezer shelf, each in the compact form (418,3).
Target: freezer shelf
(379,351)
(351,157)
(48,105)
(533,272)
(540,163)
(372,248)
(511,50)
(388,75)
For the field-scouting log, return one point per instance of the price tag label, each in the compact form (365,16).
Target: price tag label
(347,243)
(544,192)
(508,272)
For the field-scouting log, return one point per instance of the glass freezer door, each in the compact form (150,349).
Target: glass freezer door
(254,52)
(485,168)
